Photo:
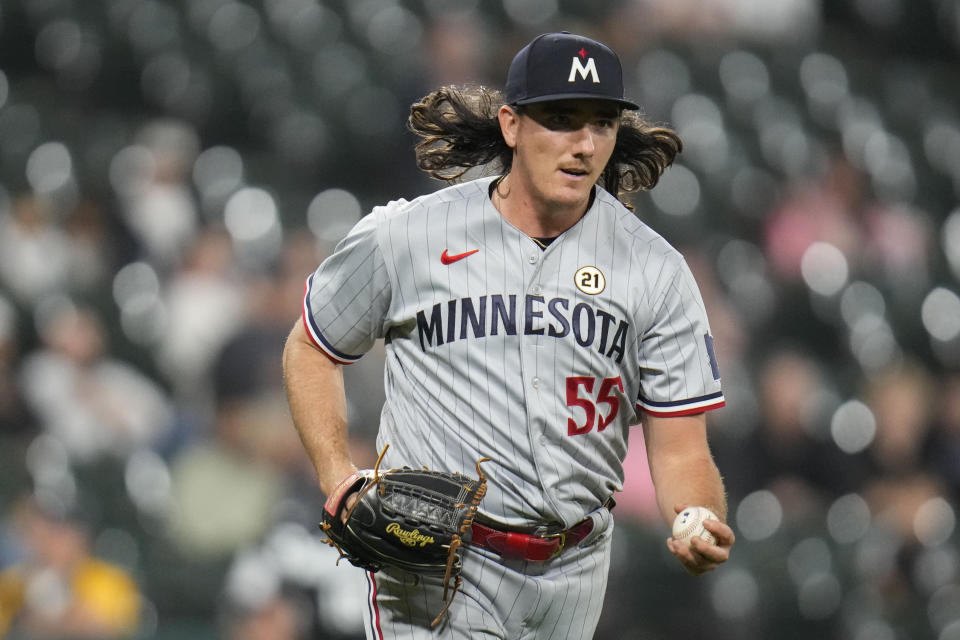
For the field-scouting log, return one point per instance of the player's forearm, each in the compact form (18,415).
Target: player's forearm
(696,482)
(318,406)
(681,465)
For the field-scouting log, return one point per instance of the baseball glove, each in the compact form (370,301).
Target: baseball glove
(413,519)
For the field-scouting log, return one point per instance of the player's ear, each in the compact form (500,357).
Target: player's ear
(509,122)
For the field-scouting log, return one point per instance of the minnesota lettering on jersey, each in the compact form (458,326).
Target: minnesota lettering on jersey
(463,318)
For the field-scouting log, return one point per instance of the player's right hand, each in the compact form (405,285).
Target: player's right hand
(351,500)
(332,487)
(700,556)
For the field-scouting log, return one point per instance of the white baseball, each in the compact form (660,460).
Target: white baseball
(689,523)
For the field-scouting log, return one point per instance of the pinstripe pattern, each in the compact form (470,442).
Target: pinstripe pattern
(472,369)
(508,600)
(502,354)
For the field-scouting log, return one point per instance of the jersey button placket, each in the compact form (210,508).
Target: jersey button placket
(530,363)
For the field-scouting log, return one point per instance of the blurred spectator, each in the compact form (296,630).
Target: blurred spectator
(278,618)
(459,48)
(249,361)
(205,306)
(902,401)
(792,451)
(60,590)
(18,423)
(152,181)
(34,251)
(945,441)
(291,585)
(826,209)
(900,477)
(727,322)
(16,418)
(91,246)
(897,248)
(241,459)
(95,403)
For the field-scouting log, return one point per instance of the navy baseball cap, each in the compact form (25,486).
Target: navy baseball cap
(560,66)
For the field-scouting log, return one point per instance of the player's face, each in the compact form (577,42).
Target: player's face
(561,147)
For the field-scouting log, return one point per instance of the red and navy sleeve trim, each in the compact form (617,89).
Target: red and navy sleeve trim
(316,336)
(681,407)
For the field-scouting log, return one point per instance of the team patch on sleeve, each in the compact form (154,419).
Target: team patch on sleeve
(316,336)
(714,367)
(681,407)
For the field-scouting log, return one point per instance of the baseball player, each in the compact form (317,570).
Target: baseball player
(530,318)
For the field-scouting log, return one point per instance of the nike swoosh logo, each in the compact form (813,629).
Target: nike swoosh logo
(446,258)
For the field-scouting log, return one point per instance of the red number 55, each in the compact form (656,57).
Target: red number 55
(589,405)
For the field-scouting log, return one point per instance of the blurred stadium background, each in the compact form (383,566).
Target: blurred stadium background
(171,170)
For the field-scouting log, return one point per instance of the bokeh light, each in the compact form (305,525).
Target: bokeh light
(217,173)
(699,121)
(148,482)
(331,213)
(252,218)
(233,26)
(745,78)
(853,426)
(250,214)
(824,268)
(934,522)
(936,567)
(808,559)
(848,518)
(819,596)
(826,84)
(394,30)
(941,314)
(304,23)
(682,195)
(531,12)
(759,515)
(50,167)
(735,594)
(662,77)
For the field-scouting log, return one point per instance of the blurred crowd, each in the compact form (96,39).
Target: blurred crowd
(170,173)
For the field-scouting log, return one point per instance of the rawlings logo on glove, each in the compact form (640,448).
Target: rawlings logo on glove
(409,538)
(413,519)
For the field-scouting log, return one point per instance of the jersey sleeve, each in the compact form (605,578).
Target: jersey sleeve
(679,371)
(346,298)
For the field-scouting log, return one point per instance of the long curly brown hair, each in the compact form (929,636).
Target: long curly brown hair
(460,131)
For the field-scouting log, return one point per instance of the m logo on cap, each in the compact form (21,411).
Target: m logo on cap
(576,67)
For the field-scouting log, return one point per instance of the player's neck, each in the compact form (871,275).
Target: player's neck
(532,216)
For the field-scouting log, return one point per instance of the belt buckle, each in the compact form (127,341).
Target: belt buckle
(549,533)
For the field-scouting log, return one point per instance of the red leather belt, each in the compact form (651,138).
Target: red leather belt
(529,546)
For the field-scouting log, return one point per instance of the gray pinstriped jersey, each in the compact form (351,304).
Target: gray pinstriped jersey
(538,359)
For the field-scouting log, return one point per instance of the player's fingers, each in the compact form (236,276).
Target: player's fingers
(348,506)
(688,558)
(699,556)
(681,551)
(721,532)
(708,556)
